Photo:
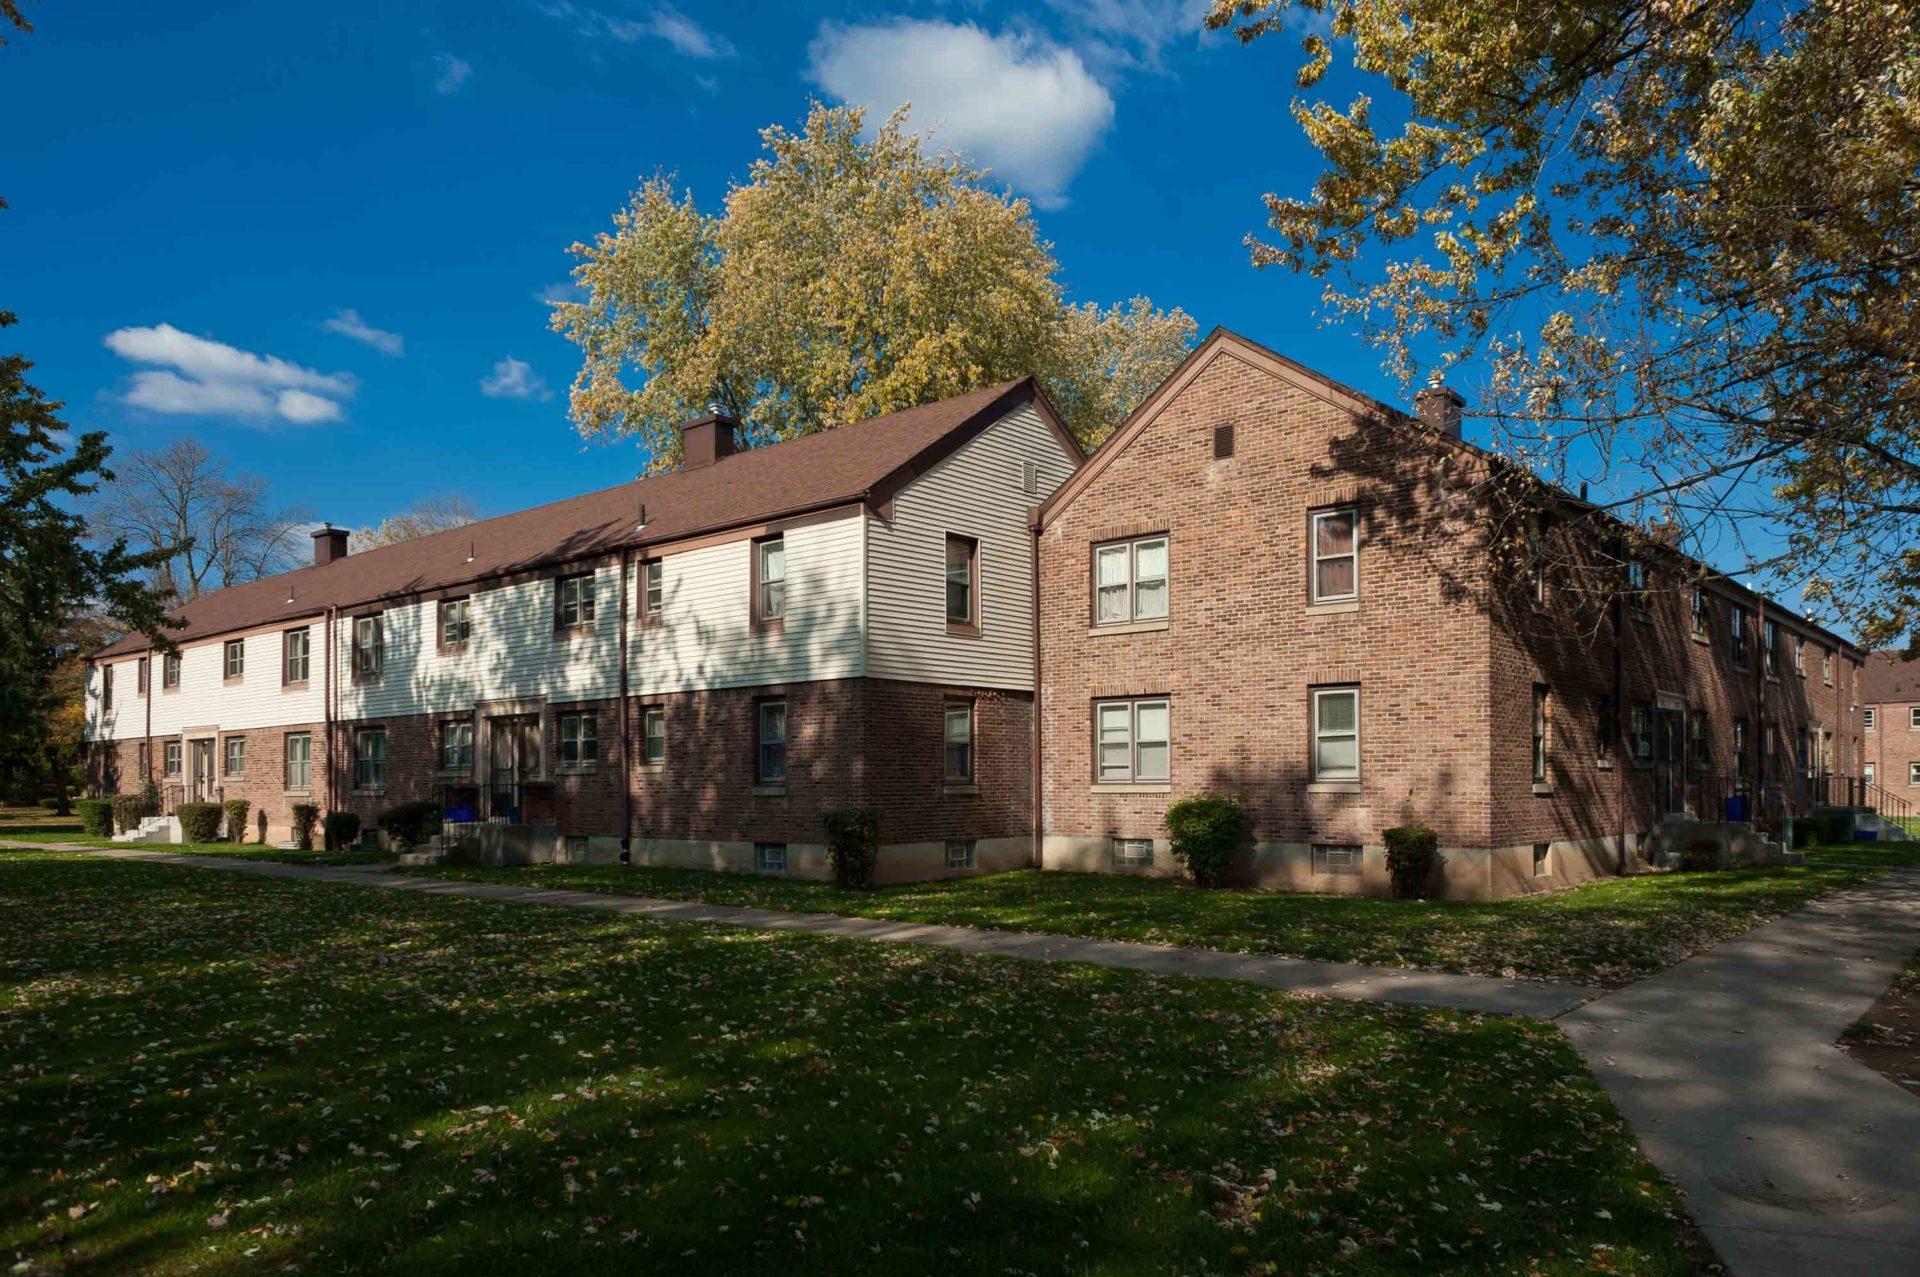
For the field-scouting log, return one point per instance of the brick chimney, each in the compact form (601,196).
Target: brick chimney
(329,543)
(705,440)
(1440,408)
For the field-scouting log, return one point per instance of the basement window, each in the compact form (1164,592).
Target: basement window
(1337,859)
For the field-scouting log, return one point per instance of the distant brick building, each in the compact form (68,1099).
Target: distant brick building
(1890,704)
(1268,584)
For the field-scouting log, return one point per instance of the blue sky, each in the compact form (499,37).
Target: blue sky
(317,235)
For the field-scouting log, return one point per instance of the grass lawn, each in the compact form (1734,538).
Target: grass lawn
(216,1073)
(234,851)
(1608,933)
(1887,1038)
(1889,855)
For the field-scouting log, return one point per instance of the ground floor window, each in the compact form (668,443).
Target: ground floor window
(170,757)
(1133,851)
(1913,773)
(653,735)
(236,755)
(1336,733)
(299,760)
(146,761)
(1542,859)
(370,758)
(959,740)
(1867,771)
(959,853)
(1338,859)
(456,746)
(1132,741)
(770,857)
(579,738)
(770,753)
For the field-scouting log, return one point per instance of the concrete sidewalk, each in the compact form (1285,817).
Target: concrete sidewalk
(1298,975)
(1795,1160)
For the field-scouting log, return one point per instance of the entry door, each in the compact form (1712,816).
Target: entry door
(201,752)
(1670,758)
(513,756)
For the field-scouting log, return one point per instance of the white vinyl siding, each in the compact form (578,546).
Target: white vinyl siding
(978,492)
(205,699)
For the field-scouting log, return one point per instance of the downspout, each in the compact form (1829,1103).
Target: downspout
(1620,756)
(147,775)
(326,713)
(1033,599)
(626,721)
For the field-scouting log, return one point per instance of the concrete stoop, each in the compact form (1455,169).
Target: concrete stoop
(1735,842)
(154,829)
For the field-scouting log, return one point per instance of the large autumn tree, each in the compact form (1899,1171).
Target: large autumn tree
(849,275)
(1674,246)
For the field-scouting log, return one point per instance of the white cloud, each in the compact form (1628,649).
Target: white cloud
(663,22)
(202,376)
(454,74)
(1028,109)
(513,379)
(1130,33)
(563,291)
(349,324)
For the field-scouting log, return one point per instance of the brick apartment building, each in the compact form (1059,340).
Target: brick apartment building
(691,668)
(1269,584)
(1890,706)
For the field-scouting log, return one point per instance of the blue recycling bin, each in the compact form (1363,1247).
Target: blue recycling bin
(1739,807)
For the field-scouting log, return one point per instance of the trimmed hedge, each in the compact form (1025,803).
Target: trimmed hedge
(412,823)
(96,817)
(1413,852)
(199,822)
(237,809)
(343,830)
(1204,830)
(853,845)
(305,817)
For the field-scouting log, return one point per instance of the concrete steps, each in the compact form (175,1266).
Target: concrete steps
(154,829)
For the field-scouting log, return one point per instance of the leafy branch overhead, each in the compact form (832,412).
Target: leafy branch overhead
(1679,240)
(848,276)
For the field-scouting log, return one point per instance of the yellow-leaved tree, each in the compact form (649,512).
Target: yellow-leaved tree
(848,276)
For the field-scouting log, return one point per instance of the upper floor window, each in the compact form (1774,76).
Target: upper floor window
(1699,745)
(1540,742)
(1132,741)
(1737,634)
(1913,718)
(140,676)
(170,670)
(1799,655)
(579,738)
(1913,773)
(1701,612)
(1769,644)
(1868,717)
(234,658)
(1637,589)
(1130,581)
(1336,555)
(1536,559)
(106,687)
(652,588)
(770,579)
(1826,664)
(295,649)
(963,580)
(456,745)
(1336,733)
(369,646)
(959,740)
(573,601)
(456,622)
(1740,749)
(370,758)
(770,742)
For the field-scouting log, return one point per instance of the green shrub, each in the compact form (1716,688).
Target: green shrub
(1204,832)
(853,845)
(1701,854)
(96,817)
(199,822)
(305,817)
(150,796)
(237,810)
(128,811)
(343,830)
(1413,853)
(410,824)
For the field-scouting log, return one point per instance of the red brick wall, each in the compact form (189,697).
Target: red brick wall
(907,763)
(263,784)
(1893,746)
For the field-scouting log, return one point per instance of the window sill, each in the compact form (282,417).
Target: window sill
(1128,627)
(1333,787)
(1702,639)
(1773,678)
(960,789)
(651,764)
(298,793)
(575,769)
(1603,764)
(1542,789)
(1332,608)
(769,791)
(567,633)
(233,680)
(358,792)
(451,649)
(301,686)
(1136,787)
(770,625)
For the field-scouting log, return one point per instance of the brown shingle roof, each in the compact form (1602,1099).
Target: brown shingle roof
(1888,680)
(867,460)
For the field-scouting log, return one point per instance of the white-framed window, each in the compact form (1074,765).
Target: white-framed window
(1335,539)
(1868,718)
(963,568)
(236,760)
(1132,851)
(234,658)
(299,754)
(456,622)
(1701,613)
(1867,770)
(1133,741)
(1542,859)
(1640,733)
(1337,859)
(653,734)
(579,738)
(770,579)
(957,729)
(1130,581)
(1737,634)
(1913,773)
(1826,664)
(652,587)
(573,601)
(369,646)
(106,687)
(1769,650)
(770,857)
(959,853)
(1913,718)
(296,647)
(170,758)
(140,676)
(370,758)
(1637,598)
(170,670)
(456,745)
(1541,704)
(1336,733)
(770,740)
